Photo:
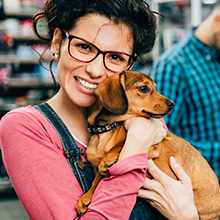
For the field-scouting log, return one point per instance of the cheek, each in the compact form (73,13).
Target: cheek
(62,71)
(65,73)
(64,61)
(66,66)
(109,73)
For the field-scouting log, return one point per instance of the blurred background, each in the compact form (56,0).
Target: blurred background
(24,81)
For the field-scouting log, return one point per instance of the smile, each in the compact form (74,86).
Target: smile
(86,84)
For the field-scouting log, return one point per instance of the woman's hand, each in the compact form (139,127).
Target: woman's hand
(142,133)
(172,198)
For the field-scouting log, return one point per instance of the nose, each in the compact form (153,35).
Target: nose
(170,104)
(96,68)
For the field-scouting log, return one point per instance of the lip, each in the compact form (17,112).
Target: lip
(85,86)
(153,115)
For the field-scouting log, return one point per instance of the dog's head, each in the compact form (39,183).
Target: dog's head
(128,94)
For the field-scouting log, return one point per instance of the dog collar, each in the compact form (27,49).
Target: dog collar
(102,129)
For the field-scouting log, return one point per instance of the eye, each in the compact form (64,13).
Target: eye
(144,89)
(83,47)
(115,58)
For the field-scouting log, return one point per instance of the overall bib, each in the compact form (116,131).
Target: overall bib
(83,170)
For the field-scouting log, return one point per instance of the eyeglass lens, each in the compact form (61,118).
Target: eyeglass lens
(86,52)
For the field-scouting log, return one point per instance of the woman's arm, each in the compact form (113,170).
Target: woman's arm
(44,181)
(172,198)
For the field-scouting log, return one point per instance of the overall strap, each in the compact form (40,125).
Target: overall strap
(73,153)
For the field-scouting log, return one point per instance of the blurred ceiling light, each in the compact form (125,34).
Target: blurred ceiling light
(209,1)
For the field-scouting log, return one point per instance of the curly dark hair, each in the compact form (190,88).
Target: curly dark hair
(135,14)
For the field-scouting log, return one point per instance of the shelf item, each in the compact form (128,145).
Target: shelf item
(20,7)
(31,83)
(18,29)
(19,13)
(172,36)
(5,185)
(13,58)
(181,16)
(11,5)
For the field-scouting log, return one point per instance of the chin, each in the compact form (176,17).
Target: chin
(86,102)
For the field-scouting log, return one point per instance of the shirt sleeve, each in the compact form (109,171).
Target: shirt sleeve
(45,183)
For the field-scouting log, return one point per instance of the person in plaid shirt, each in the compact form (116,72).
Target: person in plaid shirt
(189,74)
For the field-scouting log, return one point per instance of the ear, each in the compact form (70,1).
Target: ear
(216,23)
(56,42)
(94,111)
(111,93)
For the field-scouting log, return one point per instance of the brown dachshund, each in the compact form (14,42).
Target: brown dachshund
(129,94)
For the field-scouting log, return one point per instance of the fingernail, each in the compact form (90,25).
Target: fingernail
(150,162)
(172,159)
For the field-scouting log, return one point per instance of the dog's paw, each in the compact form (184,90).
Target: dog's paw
(109,159)
(83,204)
(105,164)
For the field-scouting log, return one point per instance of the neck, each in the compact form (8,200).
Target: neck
(203,34)
(207,28)
(72,115)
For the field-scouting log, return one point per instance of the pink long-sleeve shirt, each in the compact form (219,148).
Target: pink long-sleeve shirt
(44,182)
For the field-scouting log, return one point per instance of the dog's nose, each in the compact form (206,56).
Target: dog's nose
(170,103)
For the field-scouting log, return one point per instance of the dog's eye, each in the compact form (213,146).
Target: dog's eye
(144,89)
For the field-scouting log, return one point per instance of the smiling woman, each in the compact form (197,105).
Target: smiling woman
(90,40)
(78,67)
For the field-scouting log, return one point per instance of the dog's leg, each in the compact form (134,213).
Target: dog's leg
(85,200)
(109,159)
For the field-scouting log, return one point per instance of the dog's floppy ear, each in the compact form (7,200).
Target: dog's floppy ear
(111,93)
(94,111)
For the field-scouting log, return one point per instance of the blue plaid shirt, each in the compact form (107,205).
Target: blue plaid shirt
(189,74)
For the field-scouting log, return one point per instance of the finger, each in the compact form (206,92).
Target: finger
(150,184)
(178,170)
(148,195)
(153,198)
(155,171)
(143,193)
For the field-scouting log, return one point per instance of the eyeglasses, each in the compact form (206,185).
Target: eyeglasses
(84,51)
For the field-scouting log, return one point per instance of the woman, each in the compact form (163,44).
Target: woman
(90,40)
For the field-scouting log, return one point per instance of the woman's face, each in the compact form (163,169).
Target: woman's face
(77,79)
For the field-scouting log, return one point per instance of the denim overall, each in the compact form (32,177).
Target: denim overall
(83,170)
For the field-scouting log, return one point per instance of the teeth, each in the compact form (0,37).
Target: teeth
(86,84)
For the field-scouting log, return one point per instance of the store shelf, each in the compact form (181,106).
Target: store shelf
(21,83)
(5,185)
(5,59)
(25,37)
(165,1)
(20,13)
